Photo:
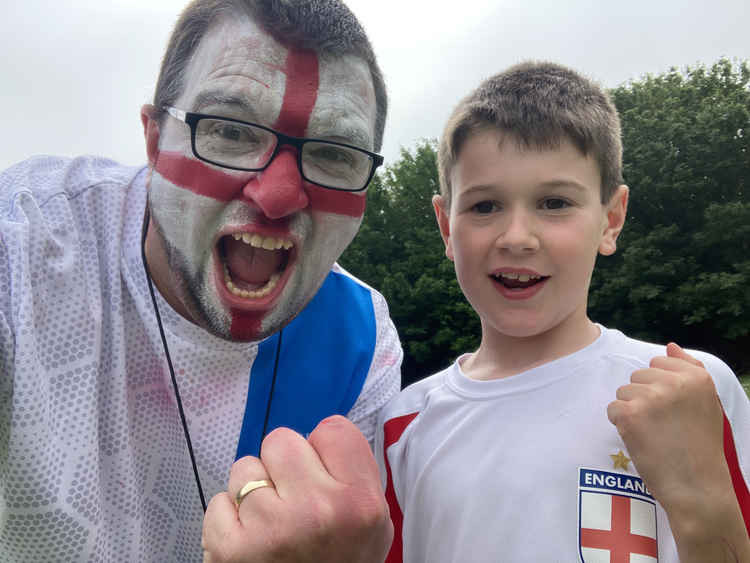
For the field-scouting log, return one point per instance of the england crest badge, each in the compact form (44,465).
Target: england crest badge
(616,518)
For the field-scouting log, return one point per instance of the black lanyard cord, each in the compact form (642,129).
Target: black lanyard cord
(169,361)
(185,430)
(273,384)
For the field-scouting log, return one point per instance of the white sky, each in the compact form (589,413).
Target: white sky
(74,74)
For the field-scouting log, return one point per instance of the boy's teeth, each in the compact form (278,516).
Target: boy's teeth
(267,243)
(254,294)
(519,277)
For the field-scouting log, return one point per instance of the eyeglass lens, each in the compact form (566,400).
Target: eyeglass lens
(240,145)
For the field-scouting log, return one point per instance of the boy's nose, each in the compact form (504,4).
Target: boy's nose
(278,190)
(519,233)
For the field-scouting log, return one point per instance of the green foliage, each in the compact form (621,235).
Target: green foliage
(745,381)
(399,251)
(682,270)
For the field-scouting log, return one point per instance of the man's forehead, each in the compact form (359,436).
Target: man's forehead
(238,61)
(235,45)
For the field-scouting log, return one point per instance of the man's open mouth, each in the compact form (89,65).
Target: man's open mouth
(518,281)
(253,263)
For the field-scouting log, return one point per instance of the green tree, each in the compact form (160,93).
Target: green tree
(399,251)
(683,269)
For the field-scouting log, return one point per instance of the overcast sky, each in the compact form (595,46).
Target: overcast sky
(75,74)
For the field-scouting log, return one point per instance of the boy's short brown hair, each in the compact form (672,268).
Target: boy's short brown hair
(539,104)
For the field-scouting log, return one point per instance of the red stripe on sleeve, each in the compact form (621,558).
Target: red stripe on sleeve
(392,431)
(738,481)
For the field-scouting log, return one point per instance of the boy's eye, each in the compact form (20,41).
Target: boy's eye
(484,207)
(554,204)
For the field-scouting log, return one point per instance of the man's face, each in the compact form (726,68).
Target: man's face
(246,251)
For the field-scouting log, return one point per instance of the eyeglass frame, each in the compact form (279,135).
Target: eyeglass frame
(191,119)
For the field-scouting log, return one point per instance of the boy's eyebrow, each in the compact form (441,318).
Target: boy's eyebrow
(475,188)
(544,185)
(564,184)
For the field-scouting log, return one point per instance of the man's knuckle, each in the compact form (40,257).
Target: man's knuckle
(370,511)
(280,445)
(321,513)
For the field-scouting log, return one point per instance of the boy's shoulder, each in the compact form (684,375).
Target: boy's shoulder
(619,346)
(639,354)
(413,399)
(626,347)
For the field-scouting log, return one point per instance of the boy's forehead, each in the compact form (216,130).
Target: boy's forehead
(240,67)
(490,155)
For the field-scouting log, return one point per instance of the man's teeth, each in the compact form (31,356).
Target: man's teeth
(520,277)
(267,243)
(251,294)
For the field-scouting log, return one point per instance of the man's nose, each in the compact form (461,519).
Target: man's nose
(278,190)
(518,232)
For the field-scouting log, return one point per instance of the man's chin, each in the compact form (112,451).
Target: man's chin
(252,321)
(247,326)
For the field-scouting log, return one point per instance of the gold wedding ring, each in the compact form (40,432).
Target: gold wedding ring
(249,487)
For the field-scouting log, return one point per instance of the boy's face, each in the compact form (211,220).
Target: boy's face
(524,230)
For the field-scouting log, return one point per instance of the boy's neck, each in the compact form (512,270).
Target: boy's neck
(501,356)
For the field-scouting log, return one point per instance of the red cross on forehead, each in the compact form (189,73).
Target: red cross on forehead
(300,93)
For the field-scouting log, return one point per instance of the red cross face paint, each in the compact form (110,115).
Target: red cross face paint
(246,251)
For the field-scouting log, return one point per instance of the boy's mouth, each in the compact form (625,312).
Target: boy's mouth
(518,281)
(253,264)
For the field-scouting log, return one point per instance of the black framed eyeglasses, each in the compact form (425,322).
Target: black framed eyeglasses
(240,145)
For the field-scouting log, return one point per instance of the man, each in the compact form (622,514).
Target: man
(121,411)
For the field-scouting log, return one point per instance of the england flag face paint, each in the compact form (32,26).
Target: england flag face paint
(245,251)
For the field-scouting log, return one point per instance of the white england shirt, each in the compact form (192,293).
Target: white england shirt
(522,469)
(93,462)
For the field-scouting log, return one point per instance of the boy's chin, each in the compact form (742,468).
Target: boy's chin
(524,330)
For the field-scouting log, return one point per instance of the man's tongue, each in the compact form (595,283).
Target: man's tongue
(250,267)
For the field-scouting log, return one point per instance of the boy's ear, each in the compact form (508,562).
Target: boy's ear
(151,132)
(443,220)
(616,210)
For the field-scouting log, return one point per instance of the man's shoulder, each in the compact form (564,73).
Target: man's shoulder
(44,177)
(379,303)
(339,270)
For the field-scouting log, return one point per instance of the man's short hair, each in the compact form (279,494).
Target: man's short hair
(538,104)
(324,26)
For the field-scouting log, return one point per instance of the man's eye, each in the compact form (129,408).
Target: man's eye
(484,207)
(232,133)
(331,154)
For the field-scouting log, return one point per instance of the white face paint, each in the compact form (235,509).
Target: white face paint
(199,210)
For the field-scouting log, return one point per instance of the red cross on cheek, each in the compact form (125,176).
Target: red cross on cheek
(301,92)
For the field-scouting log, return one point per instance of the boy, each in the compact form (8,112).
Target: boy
(558,439)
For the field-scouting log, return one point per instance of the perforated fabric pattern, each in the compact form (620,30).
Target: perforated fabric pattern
(93,463)
(384,380)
